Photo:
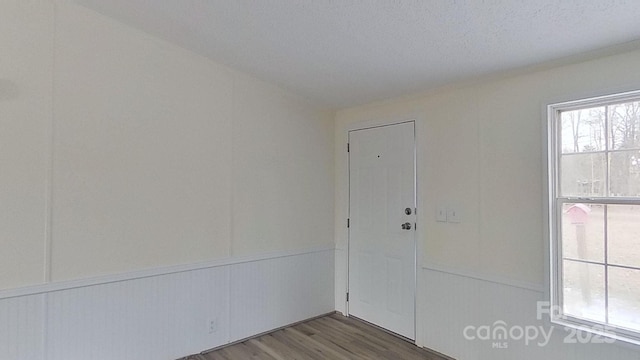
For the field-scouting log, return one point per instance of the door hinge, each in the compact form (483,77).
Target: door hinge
(348,147)
(347,296)
(348,223)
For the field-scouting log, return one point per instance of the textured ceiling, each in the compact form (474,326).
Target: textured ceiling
(341,53)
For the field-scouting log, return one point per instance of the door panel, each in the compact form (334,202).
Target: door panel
(382,255)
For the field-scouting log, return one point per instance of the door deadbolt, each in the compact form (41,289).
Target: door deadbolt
(406,226)
(407,211)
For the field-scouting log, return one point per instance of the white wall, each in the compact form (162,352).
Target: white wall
(25,118)
(122,152)
(282,171)
(146,191)
(142,150)
(481,148)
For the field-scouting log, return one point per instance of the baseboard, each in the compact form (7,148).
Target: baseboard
(264,333)
(438,354)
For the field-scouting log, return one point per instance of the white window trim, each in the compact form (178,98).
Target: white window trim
(555,211)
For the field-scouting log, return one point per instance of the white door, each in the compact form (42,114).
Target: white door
(382,246)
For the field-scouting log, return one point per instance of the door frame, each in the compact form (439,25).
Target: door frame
(344,181)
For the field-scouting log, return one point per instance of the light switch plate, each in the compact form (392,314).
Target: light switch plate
(441,214)
(453,215)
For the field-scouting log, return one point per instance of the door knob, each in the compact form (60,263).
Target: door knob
(406,226)
(407,211)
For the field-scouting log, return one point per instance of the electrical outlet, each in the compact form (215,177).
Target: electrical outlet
(213,326)
(441,214)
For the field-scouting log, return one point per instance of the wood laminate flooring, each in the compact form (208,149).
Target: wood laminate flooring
(329,337)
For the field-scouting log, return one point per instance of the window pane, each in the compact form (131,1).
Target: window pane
(583,130)
(624,298)
(623,235)
(582,175)
(624,173)
(583,232)
(624,126)
(583,290)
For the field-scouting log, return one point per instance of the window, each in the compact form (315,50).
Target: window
(594,182)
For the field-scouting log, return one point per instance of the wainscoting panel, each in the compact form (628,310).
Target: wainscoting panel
(455,302)
(21,335)
(341,278)
(163,317)
(166,316)
(258,306)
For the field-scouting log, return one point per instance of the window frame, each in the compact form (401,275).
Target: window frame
(555,211)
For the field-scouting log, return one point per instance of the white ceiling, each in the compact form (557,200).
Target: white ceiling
(340,53)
